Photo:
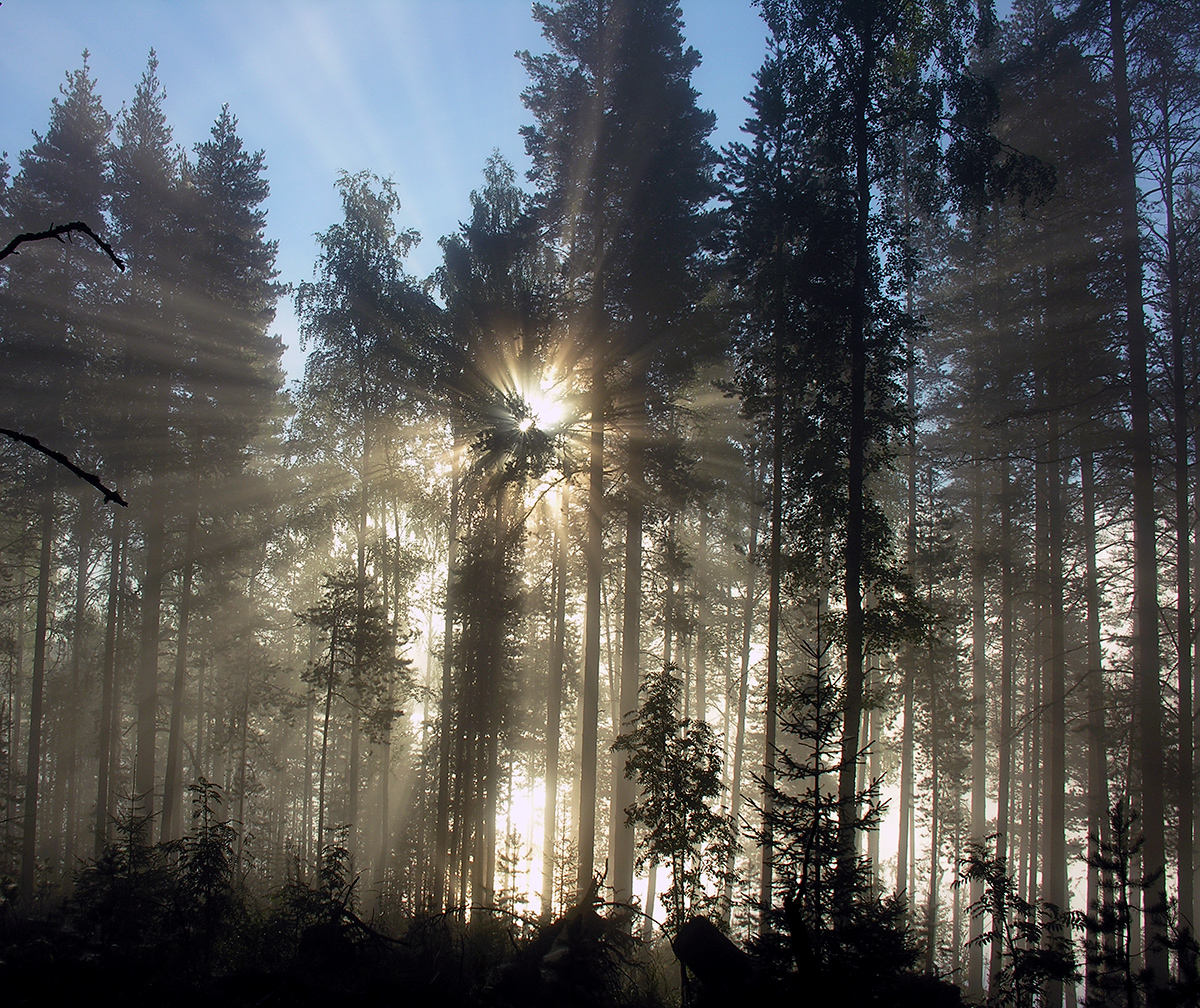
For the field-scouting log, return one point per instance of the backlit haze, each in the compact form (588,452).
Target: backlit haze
(421,90)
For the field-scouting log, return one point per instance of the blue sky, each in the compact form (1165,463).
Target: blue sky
(422,90)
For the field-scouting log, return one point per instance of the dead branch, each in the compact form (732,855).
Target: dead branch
(56,232)
(59,457)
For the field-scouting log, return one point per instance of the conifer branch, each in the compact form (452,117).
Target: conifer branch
(87,477)
(56,232)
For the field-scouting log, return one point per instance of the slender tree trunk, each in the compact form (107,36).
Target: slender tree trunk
(1028,806)
(703,580)
(931,906)
(651,894)
(1055,864)
(908,652)
(856,461)
(446,714)
(743,695)
(1097,774)
(554,703)
(172,810)
(306,847)
(621,832)
(108,688)
(70,751)
(905,880)
(775,575)
(243,763)
(15,688)
(324,762)
(1005,741)
(1181,392)
(147,676)
(1147,687)
(590,692)
(979,820)
(33,747)
(353,765)
(1037,695)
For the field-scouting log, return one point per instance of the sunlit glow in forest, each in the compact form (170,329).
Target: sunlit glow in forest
(748,567)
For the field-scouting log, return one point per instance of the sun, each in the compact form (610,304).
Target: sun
(547,409)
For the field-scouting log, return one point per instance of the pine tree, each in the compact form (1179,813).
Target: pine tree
(864,101)
(623,170)
(676,763)
(366,320)
(232,376)
(146,209)
(51,303)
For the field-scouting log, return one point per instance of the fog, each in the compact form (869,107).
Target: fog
(733,574)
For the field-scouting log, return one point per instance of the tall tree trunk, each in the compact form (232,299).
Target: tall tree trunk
(1181,391)
(856,465)
(15,688)
(1033,820)
(172,810)
(905,880)
(147,677)
(353,765)
(743,695)
(306,847)
(324,761)
(590,692)
(1055,865)
(33,746)
(703,581)
(775,581)
(1148,696)
(108,688)
(935,873)
(979,820)
(1005,732)
(70,750)
(446,715)
(621,833)
(1097,765)
(554,702)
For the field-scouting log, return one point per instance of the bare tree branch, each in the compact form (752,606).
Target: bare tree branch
(87,477)
(56,232)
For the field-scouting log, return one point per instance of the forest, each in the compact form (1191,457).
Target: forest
(757,575)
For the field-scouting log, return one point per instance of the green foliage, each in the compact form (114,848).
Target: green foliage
(677,765)
(1033,939)
(804,808)
(171,912)
(1108,926)
(359,663)
(326,903)
(364,322)
(122,897)
(833,924)
(208,904)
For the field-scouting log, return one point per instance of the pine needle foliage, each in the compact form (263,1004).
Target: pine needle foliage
(676,763)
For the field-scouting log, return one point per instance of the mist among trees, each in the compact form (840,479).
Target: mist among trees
(745,575)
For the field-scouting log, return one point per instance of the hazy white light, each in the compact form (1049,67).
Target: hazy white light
(548,409)
(525,424)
